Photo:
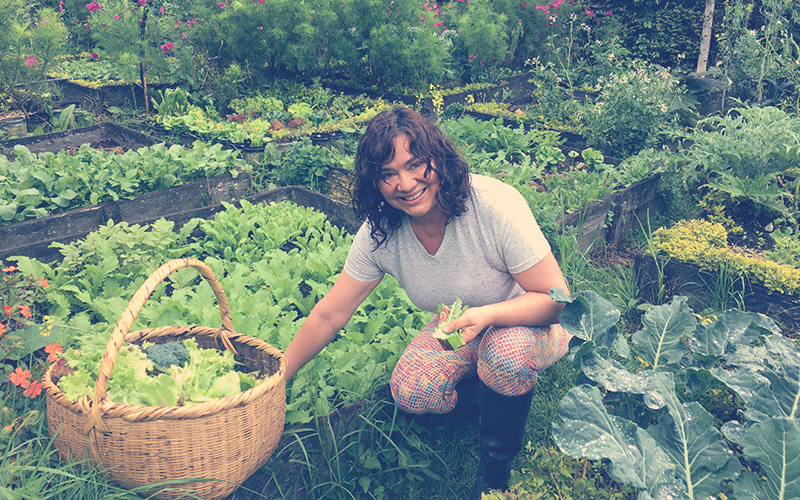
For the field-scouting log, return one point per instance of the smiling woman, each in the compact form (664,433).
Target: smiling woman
(448,235)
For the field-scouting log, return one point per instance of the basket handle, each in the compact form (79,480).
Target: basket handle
(123,326)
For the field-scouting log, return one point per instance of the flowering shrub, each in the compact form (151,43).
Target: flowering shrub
(636,109)
(21,370)
(29,47)
(116,30)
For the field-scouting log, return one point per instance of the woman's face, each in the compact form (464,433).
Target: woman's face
(403,183)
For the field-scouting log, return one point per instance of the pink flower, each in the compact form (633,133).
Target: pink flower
(538,6)
(571,2)
(161,10)
(184,37)
(167,47)
(589,13)
(116,16)
(608,12)
(522,5)
(93,6)
(61,6)
(94,56)
(221,5)
(422,16)
(31,61)
(142,2)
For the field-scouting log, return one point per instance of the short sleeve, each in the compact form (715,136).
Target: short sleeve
(360,264)
(521,242)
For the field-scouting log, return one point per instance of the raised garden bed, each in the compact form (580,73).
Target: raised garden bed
(108,134)
(99,99)
(180,204)
(572,141)
(696,283)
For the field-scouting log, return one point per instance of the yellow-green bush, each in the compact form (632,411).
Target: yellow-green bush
(704,244)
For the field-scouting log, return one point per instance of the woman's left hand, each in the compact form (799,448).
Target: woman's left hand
(472,322)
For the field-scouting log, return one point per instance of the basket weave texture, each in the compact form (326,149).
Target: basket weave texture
(223,441)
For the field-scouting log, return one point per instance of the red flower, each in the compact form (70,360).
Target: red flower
(10,269)
(2,328)
(25,311)
(7,309)
(43,281)
(53,350)
(34,389)
(20,377)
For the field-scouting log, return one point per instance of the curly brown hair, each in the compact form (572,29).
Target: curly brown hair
(426,142)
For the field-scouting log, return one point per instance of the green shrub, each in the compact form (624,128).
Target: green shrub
(705,244)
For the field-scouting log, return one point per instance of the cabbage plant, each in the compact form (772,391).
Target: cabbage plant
(638,401)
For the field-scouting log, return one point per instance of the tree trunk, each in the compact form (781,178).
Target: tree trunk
(705,42)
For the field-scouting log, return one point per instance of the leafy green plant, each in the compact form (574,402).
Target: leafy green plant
(304,165)
(37,185)
(664,445)
(274,263)
(137,380)
(747,156)
(636,109)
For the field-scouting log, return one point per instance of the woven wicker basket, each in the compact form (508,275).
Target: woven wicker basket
(223,441)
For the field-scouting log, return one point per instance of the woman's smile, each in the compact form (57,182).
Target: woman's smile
(409,184)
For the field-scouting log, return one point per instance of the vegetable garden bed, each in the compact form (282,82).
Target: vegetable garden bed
(108,134)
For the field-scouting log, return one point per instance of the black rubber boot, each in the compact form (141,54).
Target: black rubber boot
(500,430)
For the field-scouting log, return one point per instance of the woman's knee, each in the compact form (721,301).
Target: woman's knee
(425,377)
(510,358)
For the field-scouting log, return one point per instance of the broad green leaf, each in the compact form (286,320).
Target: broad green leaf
(660,342)
(687,433)
(775,445)
(587,315)
(32,340)
(636,458)
(615,378)
(8,210)
(767,378)
(732,327)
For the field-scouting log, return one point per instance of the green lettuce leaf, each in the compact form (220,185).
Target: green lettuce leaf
(455,338)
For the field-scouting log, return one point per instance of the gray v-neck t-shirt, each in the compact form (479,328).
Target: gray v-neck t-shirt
(497,237)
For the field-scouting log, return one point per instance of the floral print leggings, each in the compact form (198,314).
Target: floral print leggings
(507,359)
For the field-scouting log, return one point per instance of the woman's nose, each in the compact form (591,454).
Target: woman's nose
(406,181)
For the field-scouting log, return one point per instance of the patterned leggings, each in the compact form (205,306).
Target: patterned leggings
(507,359)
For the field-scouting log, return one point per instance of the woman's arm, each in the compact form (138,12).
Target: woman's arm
(533,308)
(330,315)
